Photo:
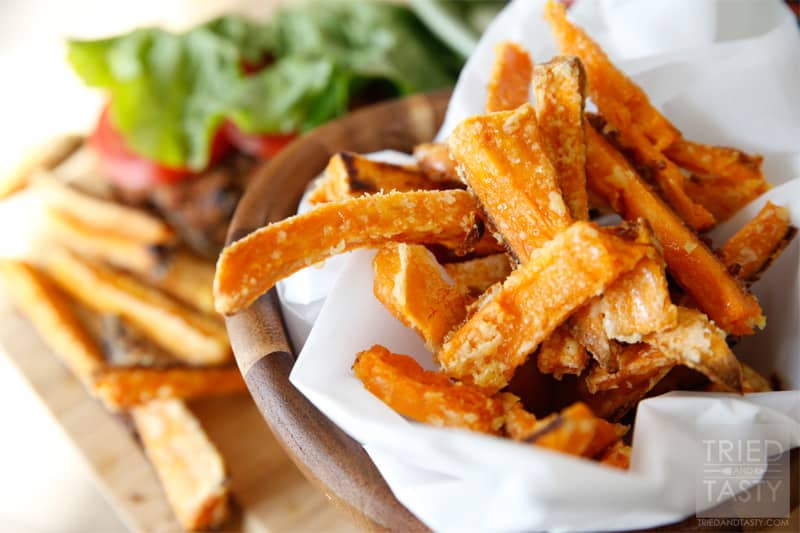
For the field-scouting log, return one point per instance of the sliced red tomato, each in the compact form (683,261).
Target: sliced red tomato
(129,170)
(260,145)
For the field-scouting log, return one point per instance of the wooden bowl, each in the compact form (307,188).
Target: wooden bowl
(330,459)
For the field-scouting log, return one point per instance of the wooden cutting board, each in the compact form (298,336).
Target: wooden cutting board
(271,494)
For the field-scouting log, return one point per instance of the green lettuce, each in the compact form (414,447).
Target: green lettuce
(170,92)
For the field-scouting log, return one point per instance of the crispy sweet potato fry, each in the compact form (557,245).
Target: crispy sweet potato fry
(187,463)
(758,243)
(191,336)
(668,177)
(620,100)
(503,161)
(252,265)
(349,175)
(636,362)
(188,278)
(435,162)
(617,455)
(51,313)
(100,244)
(509,85)
(123,388)
(561,354)
(725,179)
(427,396)
(559,87)
(613,404)
(418,292)
(752,381)
(691,263)
(575,430)
(576,265)
(477,275)
(697,343)
(104,216)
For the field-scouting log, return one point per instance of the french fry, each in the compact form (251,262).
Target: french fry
(669,178)
(559,88)
(509,85)
(724,179)
(125,387)
(51,314)
(575,430)
(119,250)
(477,275)
(252,265)
(188,278)
(758,243)
(700,345)
(576,265)
(191,336)
(690,262)
(503,161)
(47,156)
(190,468)
(617,455)
(752,381)
(637,304)
(103,216)
(640,126)
(417,291)
(561,354)
(620,100)
(613,404)
(435,162)
(636,362)
(349,175)
(427,396)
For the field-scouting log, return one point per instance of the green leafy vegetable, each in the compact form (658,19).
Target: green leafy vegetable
(170,92)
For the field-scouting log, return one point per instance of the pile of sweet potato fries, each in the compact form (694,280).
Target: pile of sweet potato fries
(130,312)
(548,329)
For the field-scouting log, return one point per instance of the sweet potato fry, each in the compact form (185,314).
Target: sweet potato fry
(418,292)
(510,82)
(700,345)
(613,404)
(724,180)
(119,250)
(435,162)
(427,396)
(477,275)
(620,100)
(559,88)
(123,388)
(637,304)
(691,263)
(668,177)
(191,336)
(349,175)
(561,276)
(752,381)
(51,314)
(758,243)
(252,265)
(617,455)
(188,278)
(503,161)
(103,216)
(575,430)
(561,354)
(187,463)
(636,363)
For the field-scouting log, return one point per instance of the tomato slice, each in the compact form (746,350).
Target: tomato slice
(129,170)
(260,145)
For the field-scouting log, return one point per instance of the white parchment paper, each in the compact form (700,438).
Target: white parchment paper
(726,72)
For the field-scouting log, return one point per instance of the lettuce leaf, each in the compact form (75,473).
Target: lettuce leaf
(170,92)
